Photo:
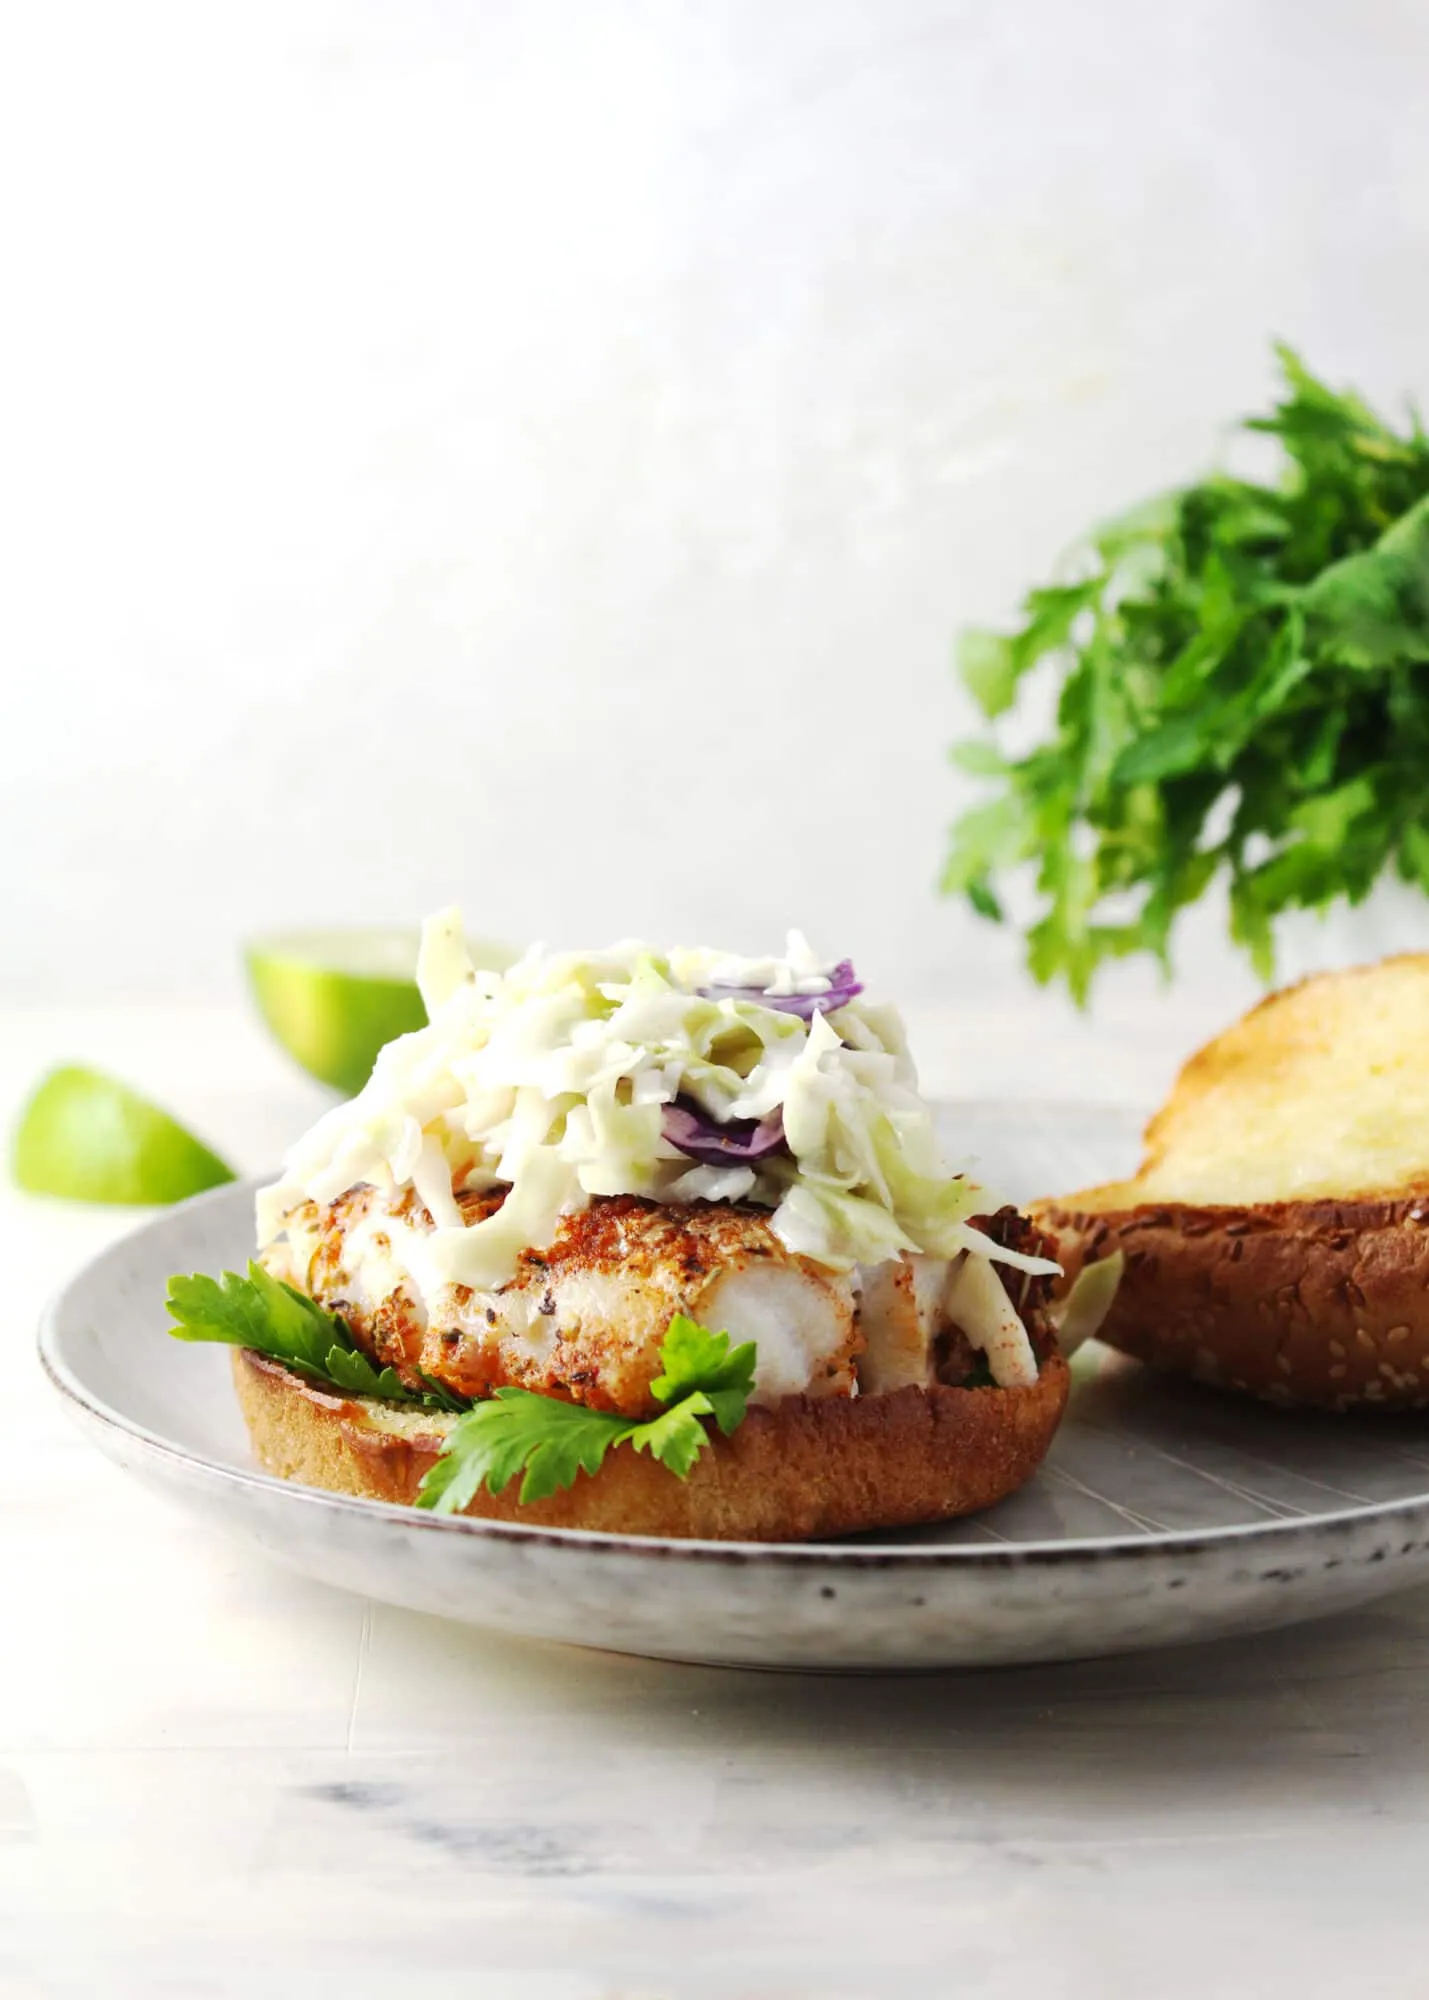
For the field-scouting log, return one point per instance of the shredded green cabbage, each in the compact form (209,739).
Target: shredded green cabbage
(551,1079)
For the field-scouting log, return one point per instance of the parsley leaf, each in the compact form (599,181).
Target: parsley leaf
(695,1360)
(550,1442)
(258,1311)
(275,1319)
(351,1369)
(516,1430)
(1240,694)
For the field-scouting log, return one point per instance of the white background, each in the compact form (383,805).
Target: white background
(539,453)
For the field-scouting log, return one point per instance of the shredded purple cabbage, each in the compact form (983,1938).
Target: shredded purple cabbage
(843,987)
(738,1143)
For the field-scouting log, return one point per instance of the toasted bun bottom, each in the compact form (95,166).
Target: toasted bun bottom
(805,1469)
(1316,1303)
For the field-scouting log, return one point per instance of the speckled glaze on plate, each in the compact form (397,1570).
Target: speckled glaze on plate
(1163,1514)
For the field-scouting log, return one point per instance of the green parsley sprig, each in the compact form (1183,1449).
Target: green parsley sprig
(547,1440)
(1243,691)
(550,1442)
(275,1319)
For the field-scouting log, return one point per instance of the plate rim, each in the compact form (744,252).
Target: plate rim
(1042,1553)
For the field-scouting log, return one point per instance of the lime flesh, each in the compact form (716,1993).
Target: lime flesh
(87,1137)
(334,998)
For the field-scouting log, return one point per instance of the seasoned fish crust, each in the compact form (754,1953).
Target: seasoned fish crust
(585,1317)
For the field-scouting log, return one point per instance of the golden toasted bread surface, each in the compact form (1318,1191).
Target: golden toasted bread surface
(810,1467)
(1276,1235)
(1321,1090)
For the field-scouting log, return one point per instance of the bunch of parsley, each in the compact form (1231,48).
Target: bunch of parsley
(1243,686)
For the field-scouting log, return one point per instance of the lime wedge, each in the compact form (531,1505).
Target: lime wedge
(334,997)
(88,1137)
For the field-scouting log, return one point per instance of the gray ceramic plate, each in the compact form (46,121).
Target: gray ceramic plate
(1163,1514)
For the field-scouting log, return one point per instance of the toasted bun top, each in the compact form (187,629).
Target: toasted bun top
(1321,1090)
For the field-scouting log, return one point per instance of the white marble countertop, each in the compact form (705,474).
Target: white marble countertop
(218,1779)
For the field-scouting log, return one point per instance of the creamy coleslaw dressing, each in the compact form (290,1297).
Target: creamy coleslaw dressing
(552,1078)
